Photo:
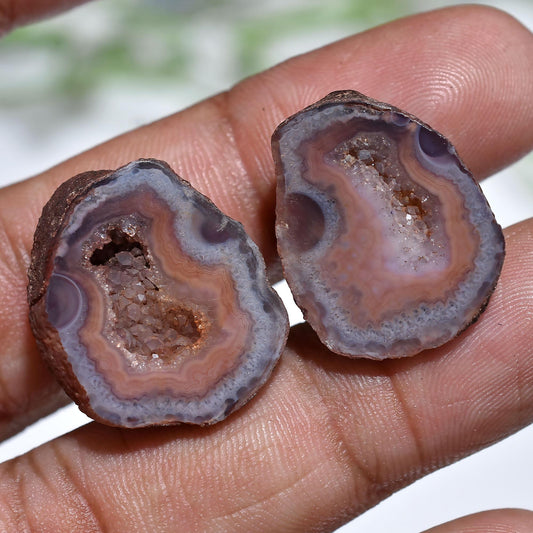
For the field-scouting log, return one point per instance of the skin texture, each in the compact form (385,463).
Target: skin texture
(500,521)
(313,449)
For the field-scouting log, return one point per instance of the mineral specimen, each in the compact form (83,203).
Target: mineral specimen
(150,305)
(386,240)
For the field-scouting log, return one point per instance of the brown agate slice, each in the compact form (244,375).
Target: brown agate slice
(386,240)
(149,304)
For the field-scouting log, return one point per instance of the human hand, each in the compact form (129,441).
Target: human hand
(327,437)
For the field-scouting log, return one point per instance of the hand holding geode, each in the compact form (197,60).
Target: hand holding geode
(386,241)
(150,305)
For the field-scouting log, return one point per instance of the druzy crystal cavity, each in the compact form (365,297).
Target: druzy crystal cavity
(386,240)
(149,304)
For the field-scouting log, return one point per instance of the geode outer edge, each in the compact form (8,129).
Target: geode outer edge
(230,302)
(372,208)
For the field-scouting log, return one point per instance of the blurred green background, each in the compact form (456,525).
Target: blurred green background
(74,81)
(207,44)
(71,82)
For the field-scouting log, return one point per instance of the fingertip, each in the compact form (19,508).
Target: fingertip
(14,13)
(497,521)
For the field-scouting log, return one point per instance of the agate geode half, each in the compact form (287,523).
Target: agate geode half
(150,305)
(386,240)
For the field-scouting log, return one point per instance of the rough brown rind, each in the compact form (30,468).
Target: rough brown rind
(50,225)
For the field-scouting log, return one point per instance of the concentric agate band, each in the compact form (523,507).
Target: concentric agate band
(149,304)
(387,242)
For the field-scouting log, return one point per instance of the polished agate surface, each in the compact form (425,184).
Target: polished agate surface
(386,240)
(149,304)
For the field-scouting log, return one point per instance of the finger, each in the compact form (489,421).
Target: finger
(498,521)
(402,419)
(223,144)
(15,13)
(327,437)
(462,82)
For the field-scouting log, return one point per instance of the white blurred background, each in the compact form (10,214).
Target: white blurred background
(72,82)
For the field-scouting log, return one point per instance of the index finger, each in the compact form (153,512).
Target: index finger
(467,84)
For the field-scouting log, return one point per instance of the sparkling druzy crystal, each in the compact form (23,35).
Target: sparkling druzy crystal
(149,304)
(386,240)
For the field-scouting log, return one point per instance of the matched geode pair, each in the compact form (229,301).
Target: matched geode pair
(153,307)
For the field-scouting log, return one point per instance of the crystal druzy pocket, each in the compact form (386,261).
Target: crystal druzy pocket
(386,240)
(149,304)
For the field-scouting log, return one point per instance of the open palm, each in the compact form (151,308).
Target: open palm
(327,437)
